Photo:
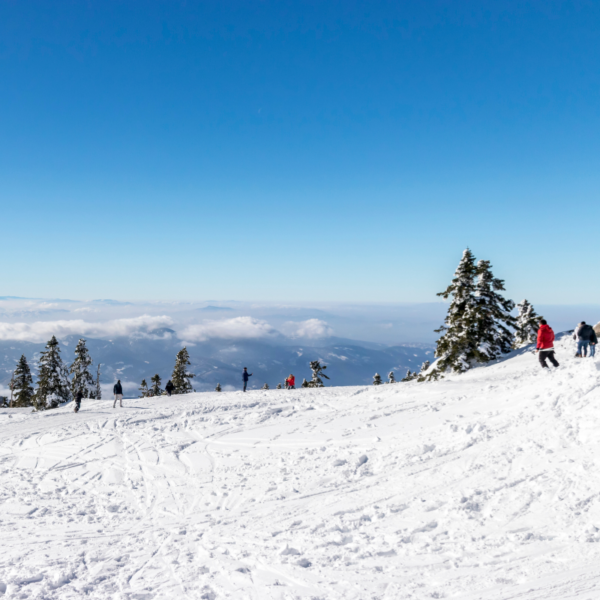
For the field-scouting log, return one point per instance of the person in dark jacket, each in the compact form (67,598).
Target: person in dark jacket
(545,344)
(78,398)
(118,392)
(593,342)
(583,335)
(245,376)
(169,388)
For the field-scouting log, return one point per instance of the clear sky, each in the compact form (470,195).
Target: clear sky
(332,151)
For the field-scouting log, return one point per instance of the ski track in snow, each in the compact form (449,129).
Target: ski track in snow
(484,485)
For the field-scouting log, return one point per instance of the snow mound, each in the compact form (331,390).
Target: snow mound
(484,485)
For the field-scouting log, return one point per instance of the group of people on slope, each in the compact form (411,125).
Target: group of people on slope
(584,335)
(290,382)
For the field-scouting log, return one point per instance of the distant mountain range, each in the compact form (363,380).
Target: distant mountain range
(131,359)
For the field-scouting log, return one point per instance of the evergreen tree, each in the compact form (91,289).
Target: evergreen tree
(98,394)
(181,377)
(279,386)
(409,376)
(218,388)
(377,379)
(265,387)
(144,389)
(53,379)
(528,323)
(317,372)
(304,383)
(4,402)
(23,386)
(156,389)
(82,381)
(391,378)
(493,315)
(422,373)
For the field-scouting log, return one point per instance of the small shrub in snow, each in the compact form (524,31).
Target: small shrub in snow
(218,388)
(391,378)
(265,387)
(377,379)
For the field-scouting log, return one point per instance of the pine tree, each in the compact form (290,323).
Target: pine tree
(98,394)
(317,373)
(391,378)
(528,323)
(82,381)
(279,386)
(377,379)
(144,389)
(156,389)
(181,377)
(53,379)
(493,315)
(265,387)
(304,383)
(23,386)
(218,388)
(409,376)
(422,373)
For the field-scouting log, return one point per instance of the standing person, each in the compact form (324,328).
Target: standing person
(78,398)
(583,335)
(118,392)
(245,376)
(545,344)
(169,388)
(593,342)
(290,382)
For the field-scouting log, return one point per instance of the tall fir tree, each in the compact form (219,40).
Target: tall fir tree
(317,372)
(181,377)
(528,323)
(98,393)
(53,378)
(23,386)
(377,379)
(156,389)
(82,381)
(143,389)
(493,315)
(391,377)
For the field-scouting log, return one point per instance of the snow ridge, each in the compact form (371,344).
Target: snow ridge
(481,485)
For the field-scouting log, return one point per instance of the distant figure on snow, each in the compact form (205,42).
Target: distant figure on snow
(290,382)
(583,336)
(245,376)
(593,342)
(78,398)
(118,392)
(545,344)
(169,388)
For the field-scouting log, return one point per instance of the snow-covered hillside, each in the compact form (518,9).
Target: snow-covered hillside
(485,485)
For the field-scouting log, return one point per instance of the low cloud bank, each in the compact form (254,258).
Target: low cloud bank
(229,329)
(311,329)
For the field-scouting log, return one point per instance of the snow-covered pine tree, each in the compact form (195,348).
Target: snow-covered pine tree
(181,377)
(409,376)
(82,381)
(23,387)
(458,346)
(377,379)
(156,389)
(493,315)
(53,379)
(279,386)
(265,387)
(304,383)
(98,394)
(317,372)
(528,323)
(422,373)
(218,388)
(144,389)
(391,378)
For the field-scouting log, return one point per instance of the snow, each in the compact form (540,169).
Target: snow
(481,485)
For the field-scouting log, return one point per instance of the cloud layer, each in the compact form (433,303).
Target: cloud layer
(310,329)
(236,328)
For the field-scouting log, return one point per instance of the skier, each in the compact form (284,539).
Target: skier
(245,376)
(118,392)
(583,336)
(169,388)
(545,344)
(78,398)
(290,382)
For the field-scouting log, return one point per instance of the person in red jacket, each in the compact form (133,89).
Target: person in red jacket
(545,344)
(290,382)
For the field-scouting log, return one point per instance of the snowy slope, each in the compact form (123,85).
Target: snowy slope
(485,485)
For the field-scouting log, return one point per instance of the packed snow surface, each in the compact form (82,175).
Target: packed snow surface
(484,485)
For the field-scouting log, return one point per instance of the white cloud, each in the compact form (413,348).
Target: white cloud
(311,329)
(41,331)
(236,328)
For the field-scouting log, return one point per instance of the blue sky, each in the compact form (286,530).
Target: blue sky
(331,151)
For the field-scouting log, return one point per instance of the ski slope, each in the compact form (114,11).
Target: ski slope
(485,485)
